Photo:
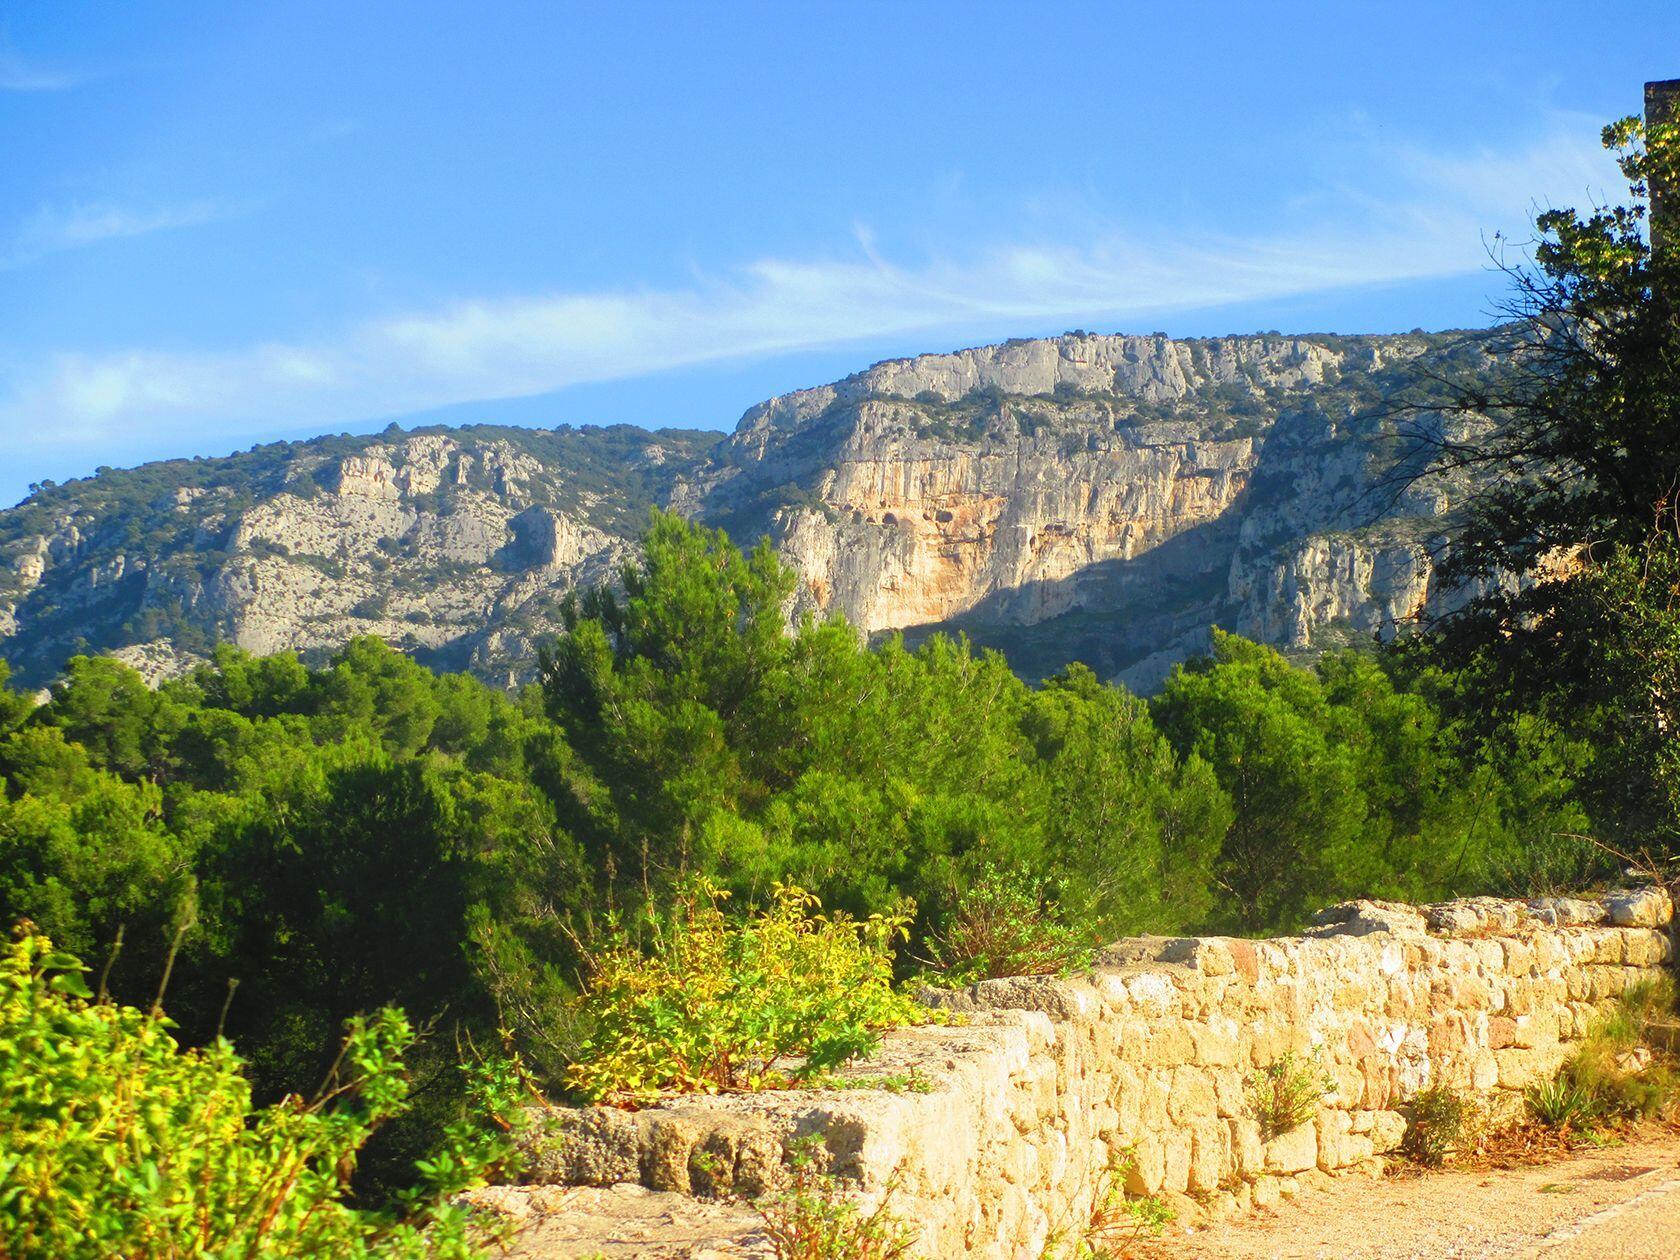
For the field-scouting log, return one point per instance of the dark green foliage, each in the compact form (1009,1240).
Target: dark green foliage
(727,747)
(332,840)
(1339,779)
(1004,924)
(1577,443)
(1441,1121)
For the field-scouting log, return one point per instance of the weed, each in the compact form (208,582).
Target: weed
(1612,1078)
(1442,1121)
(1560,1103)
(812,1219)
(1004,925)
(911,1082)
(1117,1222)
(1286,1093)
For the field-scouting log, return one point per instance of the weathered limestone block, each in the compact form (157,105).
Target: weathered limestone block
(1367,918)
(1176,1149)
(1293,1151)
(1567,911)
(1640,907)
(1388,1130)
(1210,1155)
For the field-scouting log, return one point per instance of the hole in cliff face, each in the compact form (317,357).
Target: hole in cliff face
(887,518)
(944,517)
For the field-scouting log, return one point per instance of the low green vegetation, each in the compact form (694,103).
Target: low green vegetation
(1442,1121)
(1287,1092)
(812,1218)
(1117,1223)
(1616,1075)
(1005,924)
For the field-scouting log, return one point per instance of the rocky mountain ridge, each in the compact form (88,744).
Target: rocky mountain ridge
(1100,498)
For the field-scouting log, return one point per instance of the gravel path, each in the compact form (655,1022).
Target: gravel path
(1620,1201)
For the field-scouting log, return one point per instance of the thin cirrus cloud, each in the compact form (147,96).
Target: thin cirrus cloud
(18,75)
(54,229)
(1415,215)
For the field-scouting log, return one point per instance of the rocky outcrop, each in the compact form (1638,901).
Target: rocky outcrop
(1143,1069)
(455,546)
(1099,498)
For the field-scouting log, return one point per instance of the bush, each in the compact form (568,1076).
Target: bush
(1285,1094)
(114,1141)
(1442,1119)
(811,1219)
(712,1005)
(1604,1081)
(1002,925)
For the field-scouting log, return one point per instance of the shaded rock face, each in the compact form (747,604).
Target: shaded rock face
(1096,498)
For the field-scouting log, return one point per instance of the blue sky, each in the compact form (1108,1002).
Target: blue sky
(226,223)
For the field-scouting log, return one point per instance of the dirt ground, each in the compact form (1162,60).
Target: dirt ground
(1617,1202)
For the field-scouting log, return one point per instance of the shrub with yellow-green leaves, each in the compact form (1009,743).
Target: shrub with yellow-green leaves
(704,1003)
(114,1141)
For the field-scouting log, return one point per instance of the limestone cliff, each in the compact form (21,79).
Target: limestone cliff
(456,546)
(1100,498)
(1104,498)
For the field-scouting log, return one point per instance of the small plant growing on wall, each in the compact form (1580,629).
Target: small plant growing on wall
(1614,1077)
(1442,1121)
(1118,1221)
(812,1219)
(1286,1093)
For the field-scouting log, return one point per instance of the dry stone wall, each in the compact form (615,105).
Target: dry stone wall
(1015,1115)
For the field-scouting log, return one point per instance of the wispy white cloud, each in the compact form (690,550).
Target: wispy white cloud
(54,229)
(1411,214)
(18,75)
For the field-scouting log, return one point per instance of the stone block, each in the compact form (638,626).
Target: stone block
(1293,1151)
(1639,907)
(1176,1150)
(1388,1130)
(1248,1152)
(1518,1069)
(1610,948)
(1210,1156)
(1230,1098)
(1268,1192)
(1484,1071)
(1567,911)
(1334,1128)
(1148,1167)
(1192,1096)
(1216,1043)
(1646,948)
